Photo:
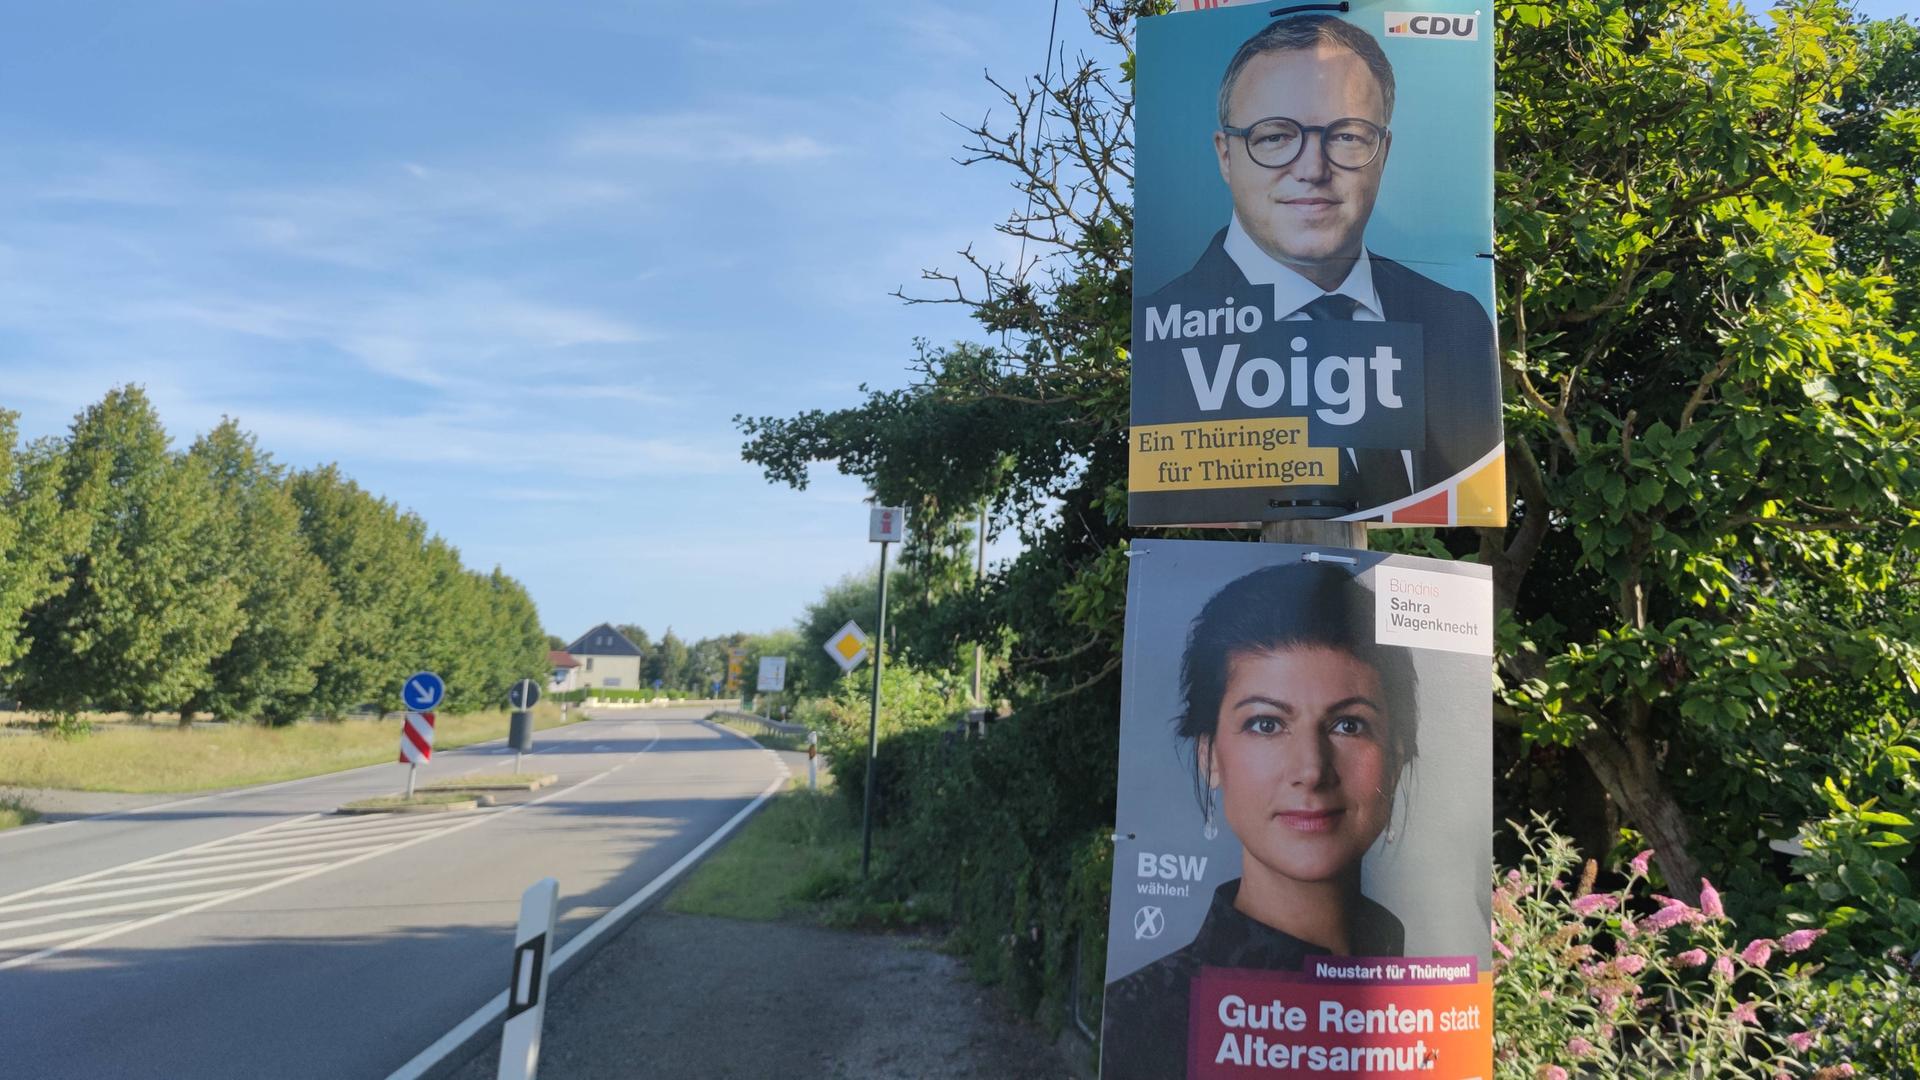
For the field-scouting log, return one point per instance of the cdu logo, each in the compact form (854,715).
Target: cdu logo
(1427,24)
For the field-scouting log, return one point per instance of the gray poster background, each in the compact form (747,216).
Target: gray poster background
(1436,876)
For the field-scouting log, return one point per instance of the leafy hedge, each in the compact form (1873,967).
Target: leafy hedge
(971,831)
(615,694)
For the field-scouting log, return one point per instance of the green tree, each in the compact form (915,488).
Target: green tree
(707,664)
(285,603)
(38,533)
(1705,215)
(449,634)
(146,606)
(669,663)
(638,635)
(514,648)
(380,579)
(855,597)
(1710,404)
(783,643)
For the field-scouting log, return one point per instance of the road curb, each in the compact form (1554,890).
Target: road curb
(457,1047)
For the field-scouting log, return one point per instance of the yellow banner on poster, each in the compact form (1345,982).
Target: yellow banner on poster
(1265,452)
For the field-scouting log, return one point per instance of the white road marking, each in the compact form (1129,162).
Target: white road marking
(370,826)
(58,900)
(194,871)
(110,909)
(213,859)
(42,939)
(426,1060)
(301,840)
(145,861)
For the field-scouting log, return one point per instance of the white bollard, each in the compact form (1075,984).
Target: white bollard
(813,764)
(527,993)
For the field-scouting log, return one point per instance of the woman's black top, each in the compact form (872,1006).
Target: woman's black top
(1144,1033)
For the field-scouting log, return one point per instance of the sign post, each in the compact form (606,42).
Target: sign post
(527,992)
(772,680)
(420,693)
(523,697)
(736,661)
(885,525)
(847,646)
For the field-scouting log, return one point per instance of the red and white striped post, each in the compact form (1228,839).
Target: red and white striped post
(416,744)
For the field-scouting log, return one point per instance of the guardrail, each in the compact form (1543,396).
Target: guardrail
(733,716)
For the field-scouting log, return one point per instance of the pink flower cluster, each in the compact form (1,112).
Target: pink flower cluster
(1594,902)
(1800,940)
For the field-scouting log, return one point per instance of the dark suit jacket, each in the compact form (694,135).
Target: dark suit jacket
(1463,374)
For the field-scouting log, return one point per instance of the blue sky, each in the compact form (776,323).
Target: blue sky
(514,266)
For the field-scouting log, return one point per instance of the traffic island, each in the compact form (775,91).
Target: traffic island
(426,802)
(493,782)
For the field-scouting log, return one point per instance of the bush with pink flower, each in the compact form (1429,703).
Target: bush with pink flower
(1587,988)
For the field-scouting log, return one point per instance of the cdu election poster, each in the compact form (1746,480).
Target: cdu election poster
(1313,329)
(1301,876)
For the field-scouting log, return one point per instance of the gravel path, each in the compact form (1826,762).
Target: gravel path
(681,996)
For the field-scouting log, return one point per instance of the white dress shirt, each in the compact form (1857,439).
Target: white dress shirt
(1291,292)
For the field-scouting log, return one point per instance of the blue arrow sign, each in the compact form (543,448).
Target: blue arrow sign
(423,691)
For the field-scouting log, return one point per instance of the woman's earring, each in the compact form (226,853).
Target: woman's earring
(1210,830)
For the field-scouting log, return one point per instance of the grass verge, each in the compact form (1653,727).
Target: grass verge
(423,798)
(493,782)
(159,760)
(794,858)
(14,813)
(799,859)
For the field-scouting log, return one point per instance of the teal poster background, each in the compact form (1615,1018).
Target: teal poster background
(1435,209)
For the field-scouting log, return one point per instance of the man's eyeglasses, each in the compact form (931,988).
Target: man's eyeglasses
(1278,141)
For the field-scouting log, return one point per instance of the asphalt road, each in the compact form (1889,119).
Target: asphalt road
(256,934)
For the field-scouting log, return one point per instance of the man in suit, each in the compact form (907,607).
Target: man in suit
(1305,109)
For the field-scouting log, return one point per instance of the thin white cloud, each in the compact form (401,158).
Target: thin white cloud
(702,137)
(499,437)
(947,32)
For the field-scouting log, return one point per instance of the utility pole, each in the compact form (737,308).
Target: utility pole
(980,575)
(1318,533)
(886,524)
(873,719)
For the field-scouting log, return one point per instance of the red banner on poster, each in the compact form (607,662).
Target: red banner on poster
(1430,1017)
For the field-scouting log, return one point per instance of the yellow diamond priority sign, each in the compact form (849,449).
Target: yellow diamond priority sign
(848,646)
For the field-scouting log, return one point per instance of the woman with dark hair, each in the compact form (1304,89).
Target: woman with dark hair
(1301,729)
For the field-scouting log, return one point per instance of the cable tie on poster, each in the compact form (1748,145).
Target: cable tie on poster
(1483,255)
(1117,837)
(1342,6)
(1314,556)
(1137,554)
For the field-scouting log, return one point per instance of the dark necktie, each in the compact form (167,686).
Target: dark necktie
(1331,306)
(1374,475)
